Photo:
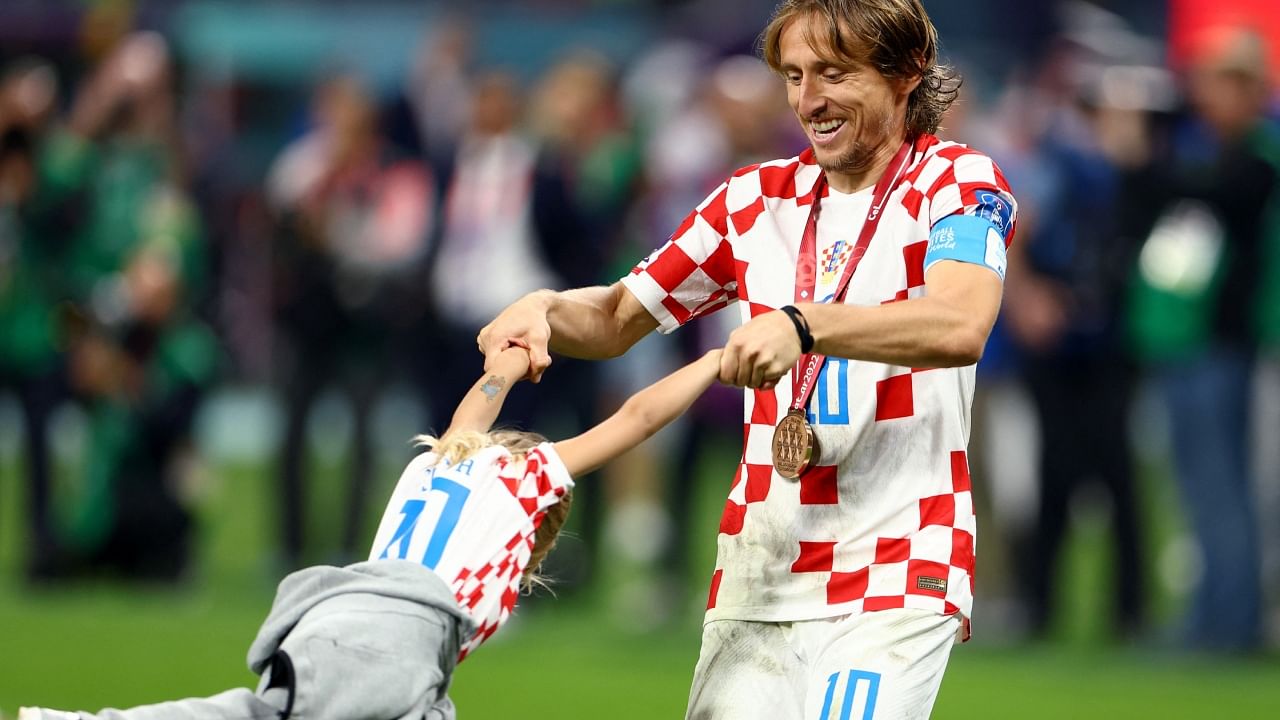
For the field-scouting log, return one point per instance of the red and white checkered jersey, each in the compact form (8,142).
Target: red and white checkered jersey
(473,523)
(884,519)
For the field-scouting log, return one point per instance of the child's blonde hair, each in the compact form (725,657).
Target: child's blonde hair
(455,447)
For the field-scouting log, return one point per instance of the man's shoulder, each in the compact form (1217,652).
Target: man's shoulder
(777,179)
(931,147)
(944,163)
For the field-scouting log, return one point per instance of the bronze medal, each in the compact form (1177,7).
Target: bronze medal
(794,445)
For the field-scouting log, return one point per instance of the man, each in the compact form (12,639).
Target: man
(880,517)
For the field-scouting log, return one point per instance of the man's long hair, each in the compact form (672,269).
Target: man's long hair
(895,37)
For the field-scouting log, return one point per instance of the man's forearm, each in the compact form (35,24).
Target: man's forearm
(899,334)
(595,323)
(924,332)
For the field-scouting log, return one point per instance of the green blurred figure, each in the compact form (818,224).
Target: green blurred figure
(30,357)
(135,266)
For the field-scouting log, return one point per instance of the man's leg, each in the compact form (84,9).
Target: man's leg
(746,670)
(884,665)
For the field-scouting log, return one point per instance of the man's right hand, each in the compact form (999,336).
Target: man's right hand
(523,324)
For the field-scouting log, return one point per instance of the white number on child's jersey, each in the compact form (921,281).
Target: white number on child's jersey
(455,497)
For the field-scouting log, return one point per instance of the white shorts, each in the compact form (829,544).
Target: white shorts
(885,665)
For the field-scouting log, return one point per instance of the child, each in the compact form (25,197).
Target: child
(467,524)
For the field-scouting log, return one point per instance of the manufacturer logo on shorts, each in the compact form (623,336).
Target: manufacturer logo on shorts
(931,583)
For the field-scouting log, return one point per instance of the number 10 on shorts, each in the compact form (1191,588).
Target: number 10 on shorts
(860,689)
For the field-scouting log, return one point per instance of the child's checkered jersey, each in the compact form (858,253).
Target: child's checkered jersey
(473,524)
(885,517)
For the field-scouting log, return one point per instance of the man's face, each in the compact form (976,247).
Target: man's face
(850,112)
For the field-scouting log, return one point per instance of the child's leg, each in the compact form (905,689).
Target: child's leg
(238,704)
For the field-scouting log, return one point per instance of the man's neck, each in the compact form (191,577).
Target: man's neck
(852,182)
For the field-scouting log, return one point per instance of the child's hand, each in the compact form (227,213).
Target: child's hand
(512,362)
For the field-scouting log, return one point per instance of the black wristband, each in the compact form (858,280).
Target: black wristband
(802,327)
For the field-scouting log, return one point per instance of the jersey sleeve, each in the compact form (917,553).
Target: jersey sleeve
(972,212)
(974,186)
(540,481)
(694,273)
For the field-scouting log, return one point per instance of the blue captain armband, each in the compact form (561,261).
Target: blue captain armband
(968,239)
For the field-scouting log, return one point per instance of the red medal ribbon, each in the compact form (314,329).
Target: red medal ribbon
(802,383)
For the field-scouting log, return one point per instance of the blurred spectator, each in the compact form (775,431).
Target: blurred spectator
(1063,307)
(138,355)
(509,222)
(438,88)
(30,255)
(512,223)
(354,214)
(576,119)
(1195,312)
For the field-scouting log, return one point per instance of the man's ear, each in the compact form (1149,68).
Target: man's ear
(908,84)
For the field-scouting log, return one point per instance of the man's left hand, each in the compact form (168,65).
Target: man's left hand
(759,353)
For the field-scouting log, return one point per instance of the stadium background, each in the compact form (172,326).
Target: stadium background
(621,644)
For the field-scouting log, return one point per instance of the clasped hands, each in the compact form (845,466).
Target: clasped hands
(757,354)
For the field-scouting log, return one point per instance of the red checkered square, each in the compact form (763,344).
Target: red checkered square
(888,602)
(893,398)
(938,510)
(844,587)
(715,588)
(720,267)
(778,181)
(758,479)
(732,518)
(814,557)
(912,201)
(764,407)
(960,481)
(892,550)
(671,267)
(913,256)
(678,311)
(962,550)
(737,477)
(740,272)
(820,485)
(715,212)
(744,219)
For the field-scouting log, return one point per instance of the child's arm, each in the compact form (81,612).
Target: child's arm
(642,415)
(480,407)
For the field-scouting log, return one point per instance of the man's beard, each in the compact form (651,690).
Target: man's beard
(854,161)
(860,156)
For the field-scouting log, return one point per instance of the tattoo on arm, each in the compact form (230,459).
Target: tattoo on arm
(493,386)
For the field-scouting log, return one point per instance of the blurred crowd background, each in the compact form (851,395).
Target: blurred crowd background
(264,235)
